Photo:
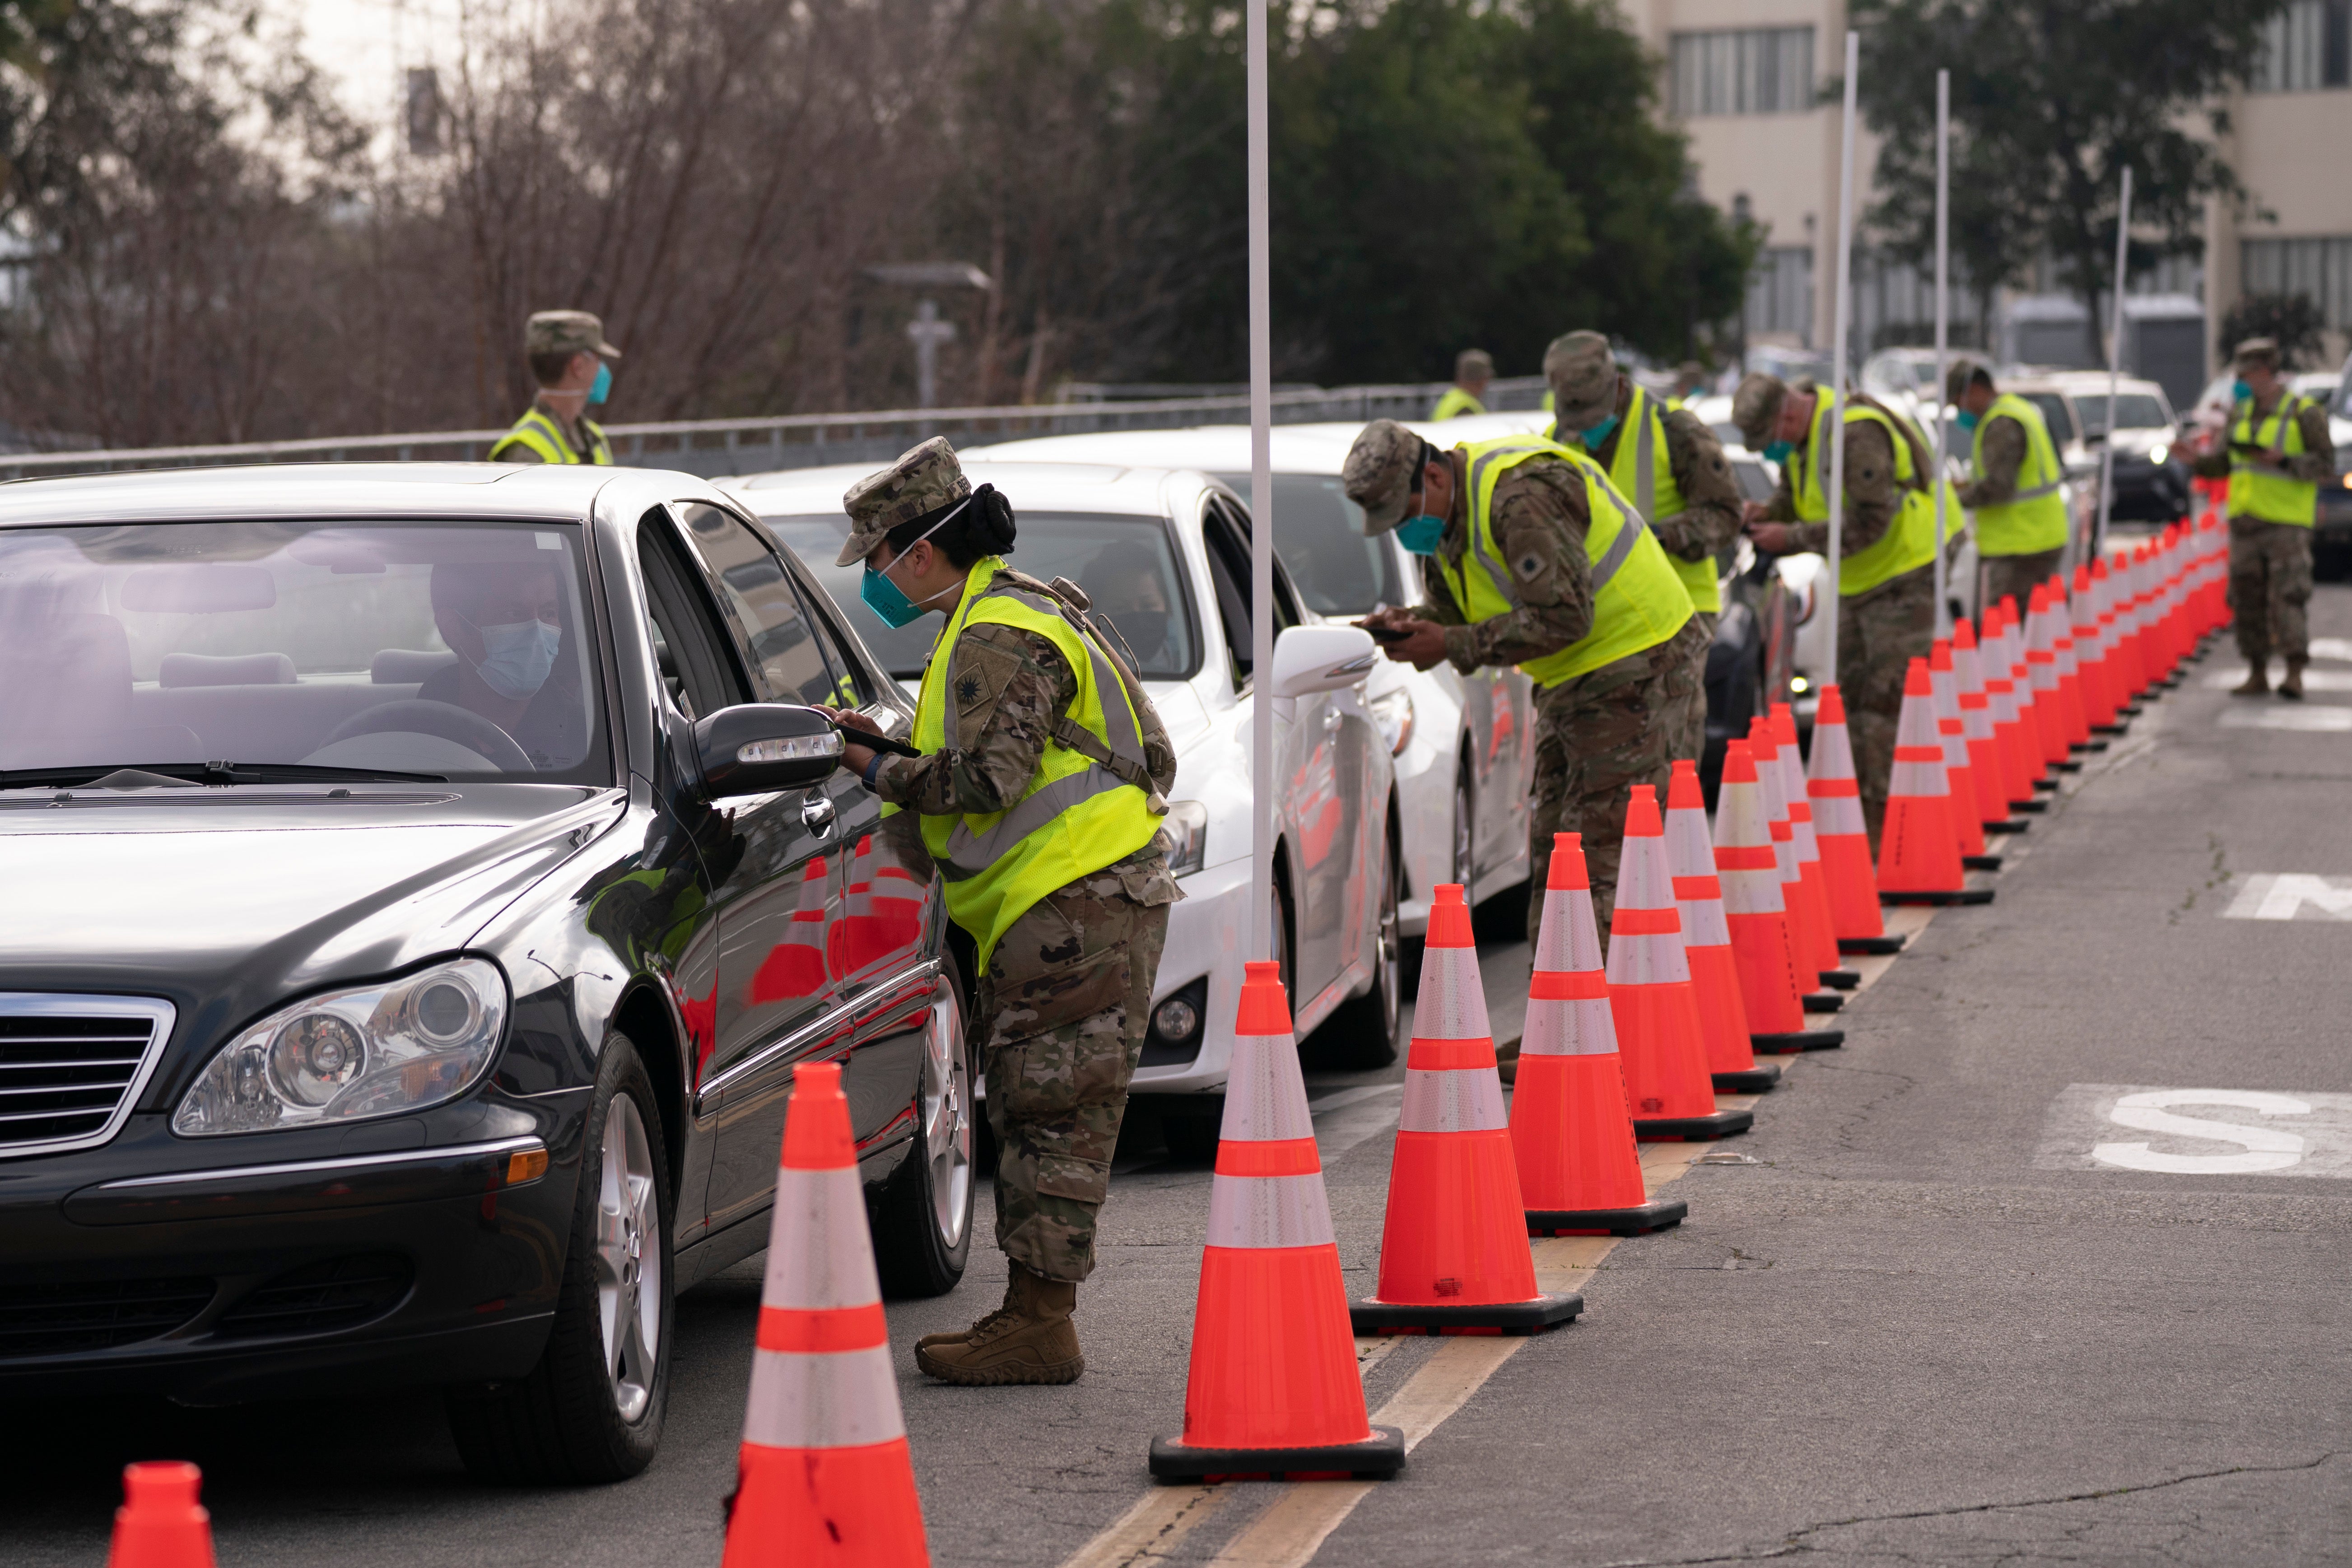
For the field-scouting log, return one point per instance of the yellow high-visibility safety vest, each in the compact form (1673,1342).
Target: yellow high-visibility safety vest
(1909,541)
(1090,801)
(537,431)
(2265,493)
(1643,469)
(2035,519)
(1637,600)
(1455,402)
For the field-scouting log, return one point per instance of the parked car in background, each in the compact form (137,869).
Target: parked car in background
(422,882)
(1164,555)
(2151,475)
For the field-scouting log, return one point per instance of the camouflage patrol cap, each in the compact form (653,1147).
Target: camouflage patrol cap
(566,332)
(1756,408)
(1583,378)
(1964,371)
(1382,471)
(923,480)
(2256,351)
(1473,365)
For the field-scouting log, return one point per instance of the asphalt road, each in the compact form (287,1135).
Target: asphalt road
(1912,1319)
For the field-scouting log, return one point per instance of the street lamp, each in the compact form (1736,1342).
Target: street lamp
(927,331)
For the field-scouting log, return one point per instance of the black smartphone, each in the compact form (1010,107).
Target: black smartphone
(877,742)
(1386,634)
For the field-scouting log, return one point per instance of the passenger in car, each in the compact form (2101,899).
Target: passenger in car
(504,620)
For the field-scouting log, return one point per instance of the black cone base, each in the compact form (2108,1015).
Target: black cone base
(1797,1040)
(2109,729)
(2035,806)
(1658,1213)
(2069,766)
(1871,944)
(1955,896)
(1759,1080)
(2047,783)
(1980,862)
(1697,1129)
(1823,1001)
(2096,746)
(1376,1458)
(1373,1316)
(1840,979)
(2007,825)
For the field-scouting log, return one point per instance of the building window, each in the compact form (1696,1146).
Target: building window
(2306,47)
(2319,268)
(1750,70)
(1780,293)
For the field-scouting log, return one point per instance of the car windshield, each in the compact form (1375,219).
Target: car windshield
(2053,415)
(416,648)
(1319,533)
(1128,564)
(2140,412)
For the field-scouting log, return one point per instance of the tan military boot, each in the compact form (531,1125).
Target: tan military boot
(2258,682)
(2291,687)
(1030,1339)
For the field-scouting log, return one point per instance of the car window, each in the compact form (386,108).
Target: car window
(1226,535)
(772,627)
(697,670)
(2053,414)
(2140,411)
(1319,533)
(1128,564)
(465,651)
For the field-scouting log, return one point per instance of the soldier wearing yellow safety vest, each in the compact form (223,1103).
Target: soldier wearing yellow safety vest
(2020,512)
(1669,464)
(1532,557)
(1886,575)
(1044,777)
(1473,369)
(2278,456)
(572,365)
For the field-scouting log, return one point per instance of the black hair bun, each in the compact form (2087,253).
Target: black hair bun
(991,519)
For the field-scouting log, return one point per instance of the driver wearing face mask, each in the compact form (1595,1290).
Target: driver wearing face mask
(504,621)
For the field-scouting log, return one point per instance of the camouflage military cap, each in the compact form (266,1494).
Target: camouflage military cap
(1382,471)
(1473,365)
(2257,352)
(922,481)
(1583,378)
(566,332)
(1963,372)
(1756,408)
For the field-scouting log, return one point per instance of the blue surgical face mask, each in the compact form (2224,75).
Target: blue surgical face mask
(1778,452)
(2241,391)
(517,657)
(1965,419)
(1595,434)
(1421,534)
(889,601)
(603,387)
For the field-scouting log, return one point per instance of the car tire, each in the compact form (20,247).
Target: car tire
(591,1411)
(1361,1033)
(1461,862)
(922,1228)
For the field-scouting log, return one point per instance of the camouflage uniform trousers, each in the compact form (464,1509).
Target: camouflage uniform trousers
(1597,735)
(2015,576)
(1879,634)
(1692,741)
(2269,584)
(1066,1000)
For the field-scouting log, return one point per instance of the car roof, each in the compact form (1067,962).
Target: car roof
(520,490)
(1116,488)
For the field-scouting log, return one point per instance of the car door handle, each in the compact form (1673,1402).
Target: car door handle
(816,814)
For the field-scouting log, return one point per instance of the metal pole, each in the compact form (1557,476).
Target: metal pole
(2098,530)
(1835,433)
(1942,345)
(1261,370)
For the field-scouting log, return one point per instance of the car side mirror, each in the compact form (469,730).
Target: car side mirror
(757,747)
(1308,660)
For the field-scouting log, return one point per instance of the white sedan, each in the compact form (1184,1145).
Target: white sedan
(1463,756)
(1165,556)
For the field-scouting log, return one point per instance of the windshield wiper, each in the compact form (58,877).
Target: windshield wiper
(210,774)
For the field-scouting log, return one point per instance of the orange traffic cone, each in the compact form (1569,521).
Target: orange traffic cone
(824,1475)
(1454,1252)
(1579,1174)
(2072,719)
(1967,828)
(1976,729)
(1650,993)
(1820,921)
(1807,928)
(1918,853)
(2090,658)
(1706,941)
(2049,725)
(160,1524)
(1839,832)
(1274,1389)
(796,966)
(1747,868)
(2021,745)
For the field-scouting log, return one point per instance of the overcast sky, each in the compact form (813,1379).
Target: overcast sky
(367,42)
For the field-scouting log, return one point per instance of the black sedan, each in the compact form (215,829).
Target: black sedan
(421,883)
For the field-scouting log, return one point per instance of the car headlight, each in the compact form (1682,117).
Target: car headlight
(2157,453)
(1393,715)
(1187,827)
(345,1056)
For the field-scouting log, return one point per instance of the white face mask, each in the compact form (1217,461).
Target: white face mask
(518,656)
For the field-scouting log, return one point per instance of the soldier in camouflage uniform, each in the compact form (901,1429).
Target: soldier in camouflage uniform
(1597,734)
(2002,445)
(1063,1002)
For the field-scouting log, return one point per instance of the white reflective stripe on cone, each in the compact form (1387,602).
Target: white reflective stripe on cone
(1916,779)
(1571,938)
(1453,1003)
(1460,1099)
(1265,1096)
(842,1399)
(1809,848)
(1832,753)
(1584,1028)
(1646,960)
(1975,724)
(818,1252)
(1839,815)
(1643,880)
(1740,818)
(1269,1211)
(1703,923)
(1751,892)
(1688,853)
(1944,692)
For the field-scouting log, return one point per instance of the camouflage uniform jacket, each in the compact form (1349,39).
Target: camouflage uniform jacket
(1872,495)
(2003,449)
(1539,516)
(1708,523)
(2314,465)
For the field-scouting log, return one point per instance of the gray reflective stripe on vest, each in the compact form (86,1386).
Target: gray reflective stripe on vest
(2036,494)
(969,853)
(1124,741)
(1620,548)
(1645,454)
(1504,583)
(1628,535)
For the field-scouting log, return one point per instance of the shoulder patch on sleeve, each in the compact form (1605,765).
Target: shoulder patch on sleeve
(983,671)
(1530,567)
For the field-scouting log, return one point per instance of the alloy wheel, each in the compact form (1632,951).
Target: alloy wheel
(628,1259)
(946,1113)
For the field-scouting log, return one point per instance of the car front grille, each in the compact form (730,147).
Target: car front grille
(67,1320)
(320,1298)
(71,1067)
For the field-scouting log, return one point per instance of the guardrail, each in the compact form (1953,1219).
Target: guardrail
(715,448)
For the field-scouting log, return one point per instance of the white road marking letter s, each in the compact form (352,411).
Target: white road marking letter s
(2264,1148)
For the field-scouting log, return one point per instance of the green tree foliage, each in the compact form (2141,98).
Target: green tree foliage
(2291,321)
(2049,99)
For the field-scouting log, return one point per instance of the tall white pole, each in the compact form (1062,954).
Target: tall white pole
(1942,345)
(1261,372)
(1835,432)
(2098,530)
